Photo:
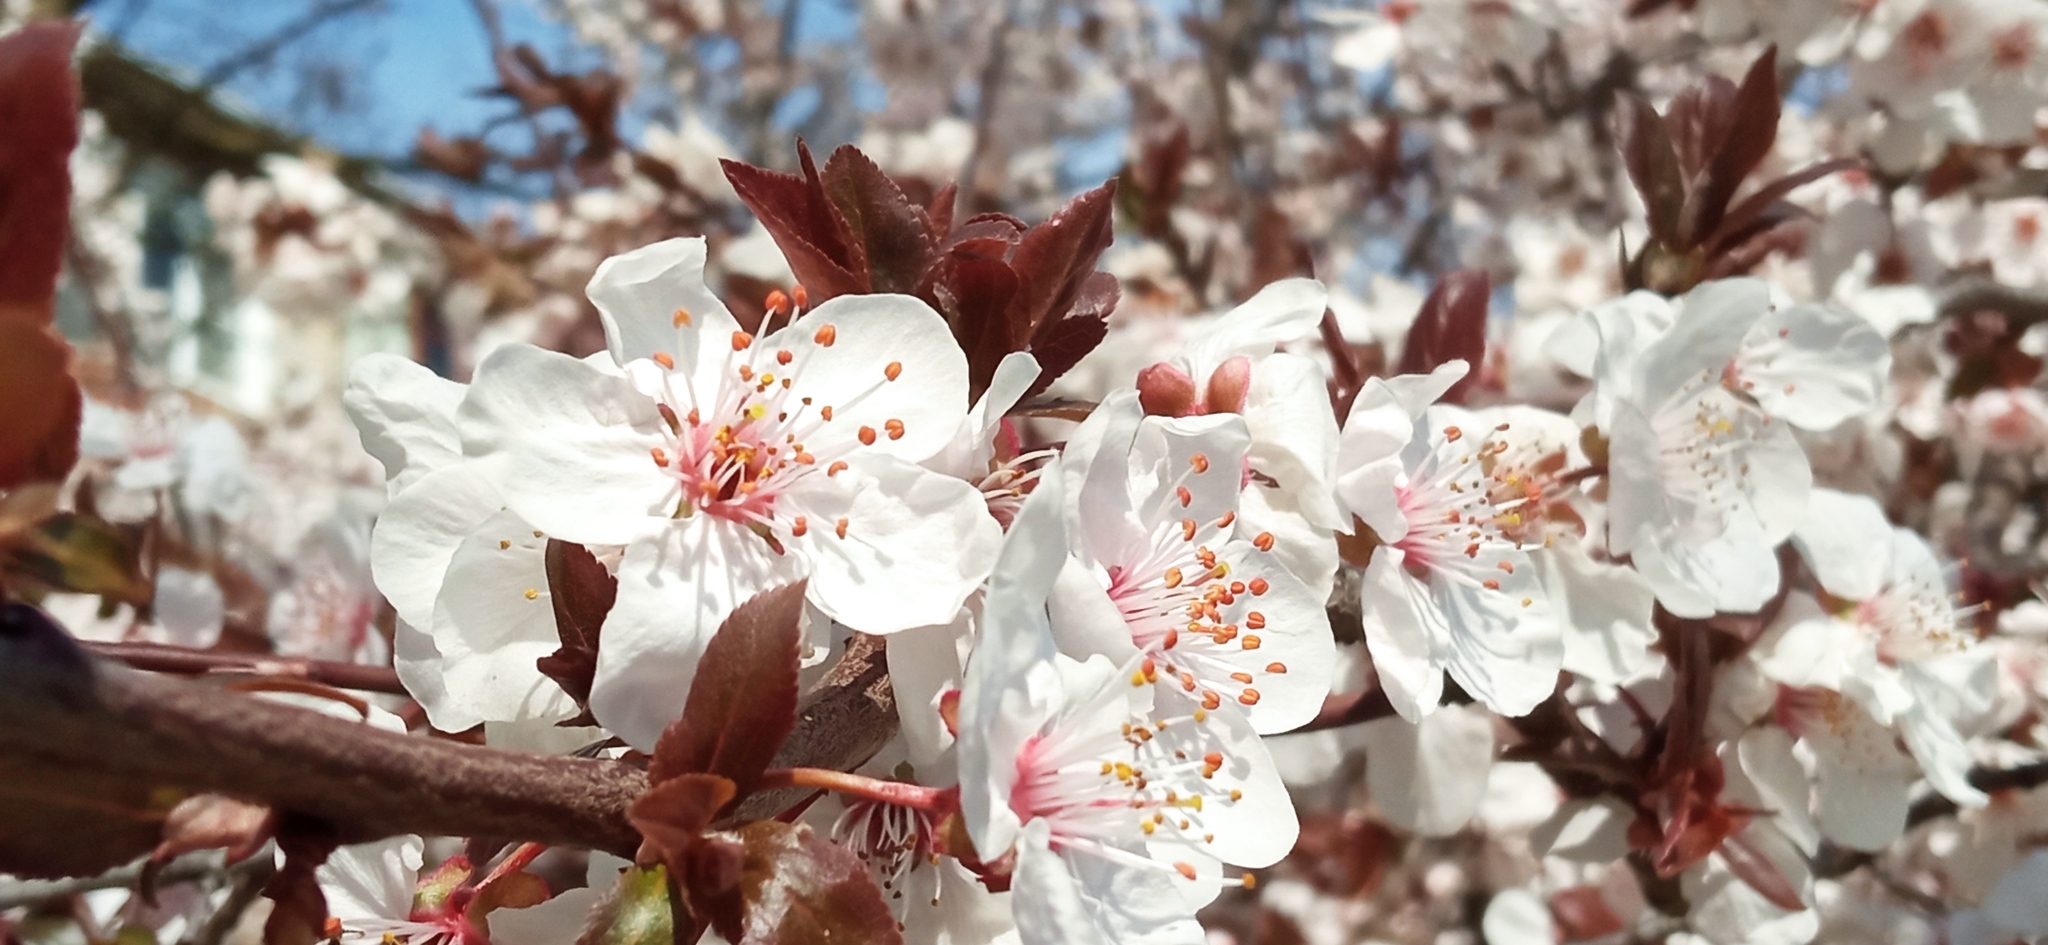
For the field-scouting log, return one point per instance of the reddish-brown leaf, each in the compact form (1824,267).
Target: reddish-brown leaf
(1755,868)
(39,112)
(1583,915)
(1735,227)
(1054,259)
(1652,164)
(672,814)
(1697,120)
(797,888)
(582,592)
(1751,129)
(893,233)
(299,913)
(39,398)
(1064,342)
(796,214)
(1451,326)
(742,701)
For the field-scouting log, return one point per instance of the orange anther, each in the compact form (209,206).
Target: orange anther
(1250,642)
(1187,870)
(777,302)
(662,358)
(1264,541)
(894,428)
(1249,697)
(1255,621)
(893,371)
(836,467)
(1187,529)
(825,413)
(867,436)
(741,341)
(826,335)
(1280,668)
(660,456)
(840,528)
(1491,584)
(1259,586)
(800,526)
(681,317)
(1186,498)
(802,295)
(1200,462)
(784,356)
(1224,522)
(1241,677)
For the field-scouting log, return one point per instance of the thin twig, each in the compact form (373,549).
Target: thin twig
(183,661)
(247,886)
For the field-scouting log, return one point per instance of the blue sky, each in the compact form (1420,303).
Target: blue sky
(414,63)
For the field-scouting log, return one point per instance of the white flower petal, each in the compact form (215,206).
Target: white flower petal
(869,335)
(1429,776)
(677,584)
(638,294)
(569,445)
(406,415)
(917,543)
(1814,366)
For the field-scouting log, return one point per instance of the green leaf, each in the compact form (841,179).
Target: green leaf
(742,701)
(637,912)
(85,555)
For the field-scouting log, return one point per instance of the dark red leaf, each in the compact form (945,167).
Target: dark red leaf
(1451,326)
(893,234)
(797,888)
(965,288)
(1752,128)
(1753,867)
(742,701)
(299,912)
(1652,164)
(1583,915)
(1732,229)
(940,210)
(796,214)
(39,110)
(1697,120)
(1065,342)
(1053,261)
(673,813)
(582,592)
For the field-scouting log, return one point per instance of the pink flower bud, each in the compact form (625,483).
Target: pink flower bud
(1167,391)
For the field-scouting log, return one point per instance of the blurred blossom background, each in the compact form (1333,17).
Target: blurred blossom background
(266,191)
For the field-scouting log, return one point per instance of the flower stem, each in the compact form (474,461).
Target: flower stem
(899,793)
(520,858)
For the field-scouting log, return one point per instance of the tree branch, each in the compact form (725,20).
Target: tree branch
(94,754)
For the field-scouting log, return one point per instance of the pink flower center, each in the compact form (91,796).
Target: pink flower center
(742,437)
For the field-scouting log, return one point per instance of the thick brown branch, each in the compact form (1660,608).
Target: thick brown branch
(189,662)
(93,755)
